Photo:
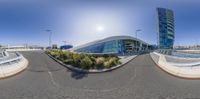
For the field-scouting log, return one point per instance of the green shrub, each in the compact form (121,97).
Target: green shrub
(107,64)
(68,61)
(82,55)
(69,55)
(54,54)
(111,61)
(48,52)
(63,55)
(100,62)
(93,59)
(86,63)
(76,59)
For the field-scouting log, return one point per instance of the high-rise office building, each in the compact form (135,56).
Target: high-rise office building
(165,28)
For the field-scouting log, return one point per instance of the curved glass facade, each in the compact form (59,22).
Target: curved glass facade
(119,46)
(114,46)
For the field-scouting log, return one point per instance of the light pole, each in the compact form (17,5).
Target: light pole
(138,30)
(50,34)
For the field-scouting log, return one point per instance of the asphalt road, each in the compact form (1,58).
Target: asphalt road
(139,79)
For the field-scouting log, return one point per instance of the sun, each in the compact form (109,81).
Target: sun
(100,28)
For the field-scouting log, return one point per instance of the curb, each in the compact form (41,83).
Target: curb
(19,71)
(90,71)
(178,76)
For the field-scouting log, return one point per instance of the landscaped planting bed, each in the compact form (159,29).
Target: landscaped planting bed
(85,61)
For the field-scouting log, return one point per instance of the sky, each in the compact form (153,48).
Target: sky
(81,21)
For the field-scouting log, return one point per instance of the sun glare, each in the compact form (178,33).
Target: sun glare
(100,28)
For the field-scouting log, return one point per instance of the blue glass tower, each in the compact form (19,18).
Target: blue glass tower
(165,28)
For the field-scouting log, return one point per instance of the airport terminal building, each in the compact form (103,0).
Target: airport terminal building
(120,45)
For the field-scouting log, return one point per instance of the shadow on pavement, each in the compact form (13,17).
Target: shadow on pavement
(78,75)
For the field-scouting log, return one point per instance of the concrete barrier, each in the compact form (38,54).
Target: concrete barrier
(178,69)
(13,50)
(13,66)
(189,51)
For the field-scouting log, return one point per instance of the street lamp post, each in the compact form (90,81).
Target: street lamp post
(50,34)
(138,30)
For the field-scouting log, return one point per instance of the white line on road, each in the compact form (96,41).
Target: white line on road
(51,76)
